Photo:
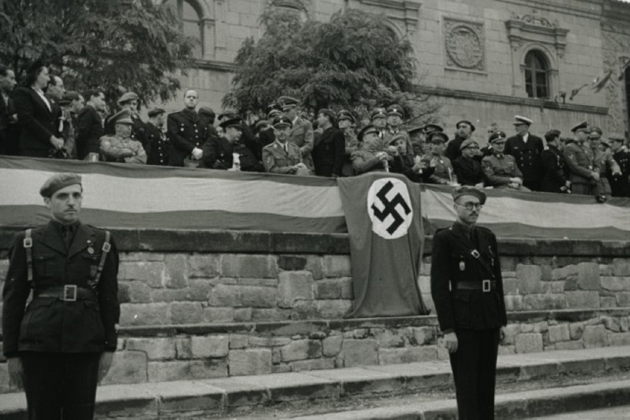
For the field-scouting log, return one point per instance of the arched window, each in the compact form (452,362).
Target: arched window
(536,75)
(191,23)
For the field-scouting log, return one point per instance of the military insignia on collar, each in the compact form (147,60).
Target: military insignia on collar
(462,265)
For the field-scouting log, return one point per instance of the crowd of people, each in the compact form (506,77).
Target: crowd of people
(41,119)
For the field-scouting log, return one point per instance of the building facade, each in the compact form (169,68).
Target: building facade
(486,60)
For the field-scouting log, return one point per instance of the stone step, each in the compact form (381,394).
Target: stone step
(431,381)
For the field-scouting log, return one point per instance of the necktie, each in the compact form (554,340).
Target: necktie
(67,235)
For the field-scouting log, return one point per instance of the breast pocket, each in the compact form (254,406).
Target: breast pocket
(45,265)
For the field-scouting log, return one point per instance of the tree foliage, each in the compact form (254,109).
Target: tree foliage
(114,45)
(354,61)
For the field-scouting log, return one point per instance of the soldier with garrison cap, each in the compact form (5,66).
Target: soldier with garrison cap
(467,289)
(121,147)
(62,344)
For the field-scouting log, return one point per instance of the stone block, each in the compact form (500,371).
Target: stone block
(623,299)
(304,309)
(294,286)
(218,315)
(144,314)
(387,337)
(582,300)
(301,349)
(200,290)
(314,265)
(208,368)
(268,341)
(205,266)
(529,277)
(139,292)
(544,302)
(569,345)
(238,341)
(407,355)
(328,289)
(5,383)
(257,282)
(186,313)
(331,346)
(176,271)
(359,352)
(558,333)
(155,348)
(170,295)
(615,284)
(514,302)
(576,330)
(337,266)
(249,266)
(307,365)
(511,331)
(269,315)
(621,267)
(128,367)
(588,276)
(347,291)
(187,370)
(257,297)
(242,314)
(249,362)
(423,335)
(552,287)
(621,339)
(608,302)
(529,343)
(210,346)
(291,263)
(183,348)
(225,296)
(564,273)
(510,286)
(148,272)
(333,309)
(123,292)
(611,324)
(595,336)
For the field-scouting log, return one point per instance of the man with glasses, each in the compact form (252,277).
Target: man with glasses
(467,168)
(467,289)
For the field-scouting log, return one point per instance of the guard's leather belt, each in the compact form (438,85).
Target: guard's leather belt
(67,293)
(484,285)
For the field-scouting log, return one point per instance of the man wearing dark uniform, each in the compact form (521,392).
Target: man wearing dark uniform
(464,131)
(620,184)
(228,152)
(467,289)
(159,145)
(554,169)
(187,132)
(526,149)
(467,168)
(63,343)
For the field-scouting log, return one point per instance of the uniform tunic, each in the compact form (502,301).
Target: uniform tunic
(603,162)
(554,170)
(499,168)
(159,146)
(186,131)
(443,172)
(278,160)
(470,256)
(364,161)
(468,171)
(527,156)
(580,164)
(329,152)
(620,184)
(218,153)
(118,149)
(138,132)
(302,136)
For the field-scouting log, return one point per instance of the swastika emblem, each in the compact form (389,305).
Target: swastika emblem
(389,207)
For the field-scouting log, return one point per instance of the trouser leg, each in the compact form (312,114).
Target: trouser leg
(465,373)
(488,368)
(81,377)
(43,373)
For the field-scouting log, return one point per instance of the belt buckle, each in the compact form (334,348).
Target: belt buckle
(486,286)
(69,293)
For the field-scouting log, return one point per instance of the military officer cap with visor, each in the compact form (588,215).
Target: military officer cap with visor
(518,120)
(378,113)
(595,132)
(395,110)
(231,122)
(368,129)
(121,117)
(497,137)
(469,190)
(438,137)
(282,121)
(57,182)
(468,143)
(583,126)
(155,112)
(329,113)
(128,97)
(345,115)
(431,128)
(287,102)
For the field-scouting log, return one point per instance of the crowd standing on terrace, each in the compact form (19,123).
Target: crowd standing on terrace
(41,119)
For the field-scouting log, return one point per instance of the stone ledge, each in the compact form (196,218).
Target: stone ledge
(252,242)
(308,327)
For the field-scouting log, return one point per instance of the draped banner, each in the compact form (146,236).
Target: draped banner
(140,196)
(386,237)
(137,196)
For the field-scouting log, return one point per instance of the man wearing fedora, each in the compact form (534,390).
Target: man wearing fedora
(526,149)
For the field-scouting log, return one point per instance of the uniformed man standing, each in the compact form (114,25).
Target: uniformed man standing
(603,163)
(464,132)
(467,289)
(620,184)
(583,177)
(187,133)
(159,145)
(467,168)
(554,169)
(283,156)
(526,149)
(63,343)
(121,147)
(301,130)
(347,124)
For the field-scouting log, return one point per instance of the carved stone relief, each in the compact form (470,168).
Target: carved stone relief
(465,45)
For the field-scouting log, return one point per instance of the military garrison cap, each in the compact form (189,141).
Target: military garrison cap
(57,182)
(468,190)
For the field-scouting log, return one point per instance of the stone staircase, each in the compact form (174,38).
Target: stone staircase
(529,385)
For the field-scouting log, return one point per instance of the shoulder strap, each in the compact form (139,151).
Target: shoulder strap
(106,248)
(28,246)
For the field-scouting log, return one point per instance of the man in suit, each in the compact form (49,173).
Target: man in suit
(8,115)
(582,174)
(330,148)
(464,131)
(90,125)
(187,132)
(526,149)
(301,132)
(283,156)
(554,169)
(63,343)
(228,151)
(38,116)
(467,289)
(158,142)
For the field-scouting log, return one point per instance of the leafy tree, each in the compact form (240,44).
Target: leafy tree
(354,61)
(114,45)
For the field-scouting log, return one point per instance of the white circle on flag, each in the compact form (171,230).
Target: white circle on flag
(389,207)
